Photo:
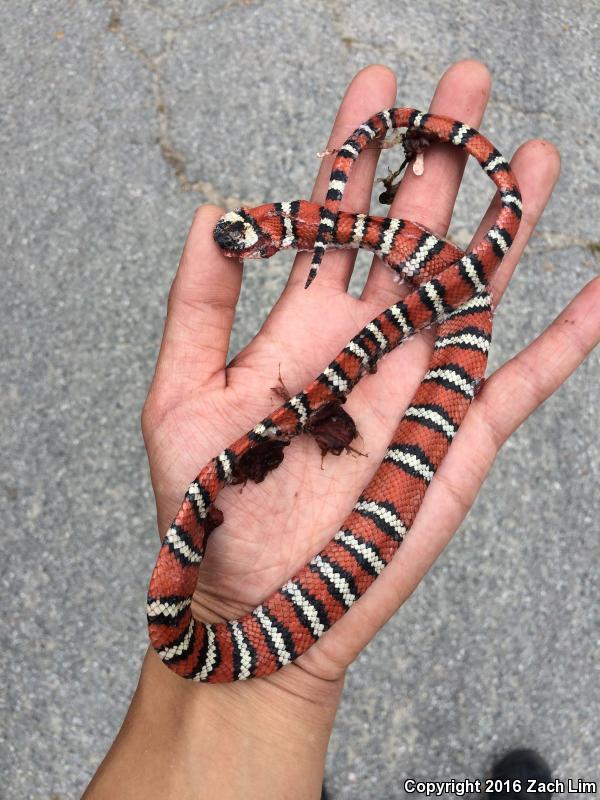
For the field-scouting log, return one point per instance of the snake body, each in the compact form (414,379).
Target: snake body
(450,289)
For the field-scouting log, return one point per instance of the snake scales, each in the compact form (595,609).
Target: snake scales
(450,289)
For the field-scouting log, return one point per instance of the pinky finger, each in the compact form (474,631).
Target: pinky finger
(516,389)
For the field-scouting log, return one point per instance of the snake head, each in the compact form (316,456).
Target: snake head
(246,233)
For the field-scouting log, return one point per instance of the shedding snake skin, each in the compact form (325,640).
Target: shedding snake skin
(450,289)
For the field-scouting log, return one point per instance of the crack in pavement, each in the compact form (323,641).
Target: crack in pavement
(336,10)
(170,154)
(542,241)
(562,241)
(176,160)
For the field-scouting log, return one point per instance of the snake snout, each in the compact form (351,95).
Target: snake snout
(235,233)
(229,235)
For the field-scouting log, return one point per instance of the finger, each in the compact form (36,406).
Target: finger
(371,90)
(506,400)
(536,165)
(200,314)
(528,379)
(429,199)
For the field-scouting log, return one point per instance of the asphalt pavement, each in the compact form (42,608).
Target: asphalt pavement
(117,121)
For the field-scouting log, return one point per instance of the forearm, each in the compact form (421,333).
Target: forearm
(260,739)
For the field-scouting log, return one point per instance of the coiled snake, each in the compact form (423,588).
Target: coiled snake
(450,289)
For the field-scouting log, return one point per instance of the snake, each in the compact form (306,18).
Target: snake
(449,288)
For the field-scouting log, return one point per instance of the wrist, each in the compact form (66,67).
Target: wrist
(261,738)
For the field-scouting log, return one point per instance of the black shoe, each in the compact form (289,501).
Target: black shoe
(324,795)
(521,766)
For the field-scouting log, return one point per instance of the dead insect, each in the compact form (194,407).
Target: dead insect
(281,390)
(386,198)
(258,461)
(333,429)
(414,142)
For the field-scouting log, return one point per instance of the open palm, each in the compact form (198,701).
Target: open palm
(197,404)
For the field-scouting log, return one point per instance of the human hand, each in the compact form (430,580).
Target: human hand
(196,404)
(268,737)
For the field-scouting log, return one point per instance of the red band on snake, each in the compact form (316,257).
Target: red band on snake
(450,290)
